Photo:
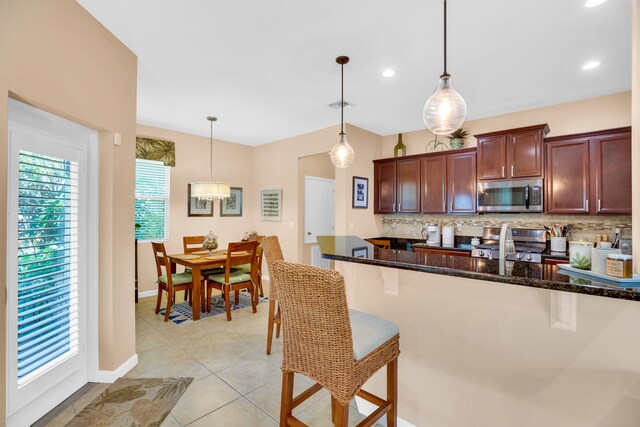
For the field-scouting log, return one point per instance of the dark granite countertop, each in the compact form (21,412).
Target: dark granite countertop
(546,276)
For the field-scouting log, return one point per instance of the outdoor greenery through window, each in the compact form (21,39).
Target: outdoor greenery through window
(47,263)
(152,200)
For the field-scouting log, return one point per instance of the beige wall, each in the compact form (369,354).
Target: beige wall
(55,56)
(478,353)
(592,114)
(635,132)
(318,165)
(232,164)
(276,166)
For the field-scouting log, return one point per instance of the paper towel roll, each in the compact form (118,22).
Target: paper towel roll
(599,259)
(448,233)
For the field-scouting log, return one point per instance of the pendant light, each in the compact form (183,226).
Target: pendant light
(342,153)
(446,110)
(210,191)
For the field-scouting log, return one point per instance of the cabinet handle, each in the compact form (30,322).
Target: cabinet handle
(450,206)
(503,171)
(511,171)
(399,207)
(394,207)
(587,205)
(444,206)
(598,205)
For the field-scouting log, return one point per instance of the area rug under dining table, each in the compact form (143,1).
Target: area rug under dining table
(133,402)
(182,312)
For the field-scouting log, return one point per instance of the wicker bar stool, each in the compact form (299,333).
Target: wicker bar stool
(272,252)
(339,348)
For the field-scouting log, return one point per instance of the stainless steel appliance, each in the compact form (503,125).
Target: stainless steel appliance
(522,195)
(529,243)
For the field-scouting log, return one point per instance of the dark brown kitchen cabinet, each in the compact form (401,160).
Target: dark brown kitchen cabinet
(492,157)
(397,186)
(461,178)
(567,176)
(613,173)
(511,154)
(384,193)
(589,173)
(408,185)
(434,184)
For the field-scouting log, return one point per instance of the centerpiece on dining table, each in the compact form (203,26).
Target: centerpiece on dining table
(210,242)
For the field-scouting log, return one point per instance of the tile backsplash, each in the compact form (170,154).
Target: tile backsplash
(584,227)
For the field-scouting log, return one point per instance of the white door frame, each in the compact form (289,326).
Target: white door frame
(24,119)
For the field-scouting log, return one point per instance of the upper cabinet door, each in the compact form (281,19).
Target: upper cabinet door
(492,157)
(567,176)
(524,154)
(434,184)
(613,173)
(461,170)
(408,183)
(384,195)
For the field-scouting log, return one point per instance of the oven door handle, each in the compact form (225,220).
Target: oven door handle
(526,196)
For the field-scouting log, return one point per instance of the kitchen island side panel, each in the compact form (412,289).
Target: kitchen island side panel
(478,353)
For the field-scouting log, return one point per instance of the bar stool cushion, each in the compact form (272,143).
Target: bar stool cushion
(177,279)
(235,276)
(369,332)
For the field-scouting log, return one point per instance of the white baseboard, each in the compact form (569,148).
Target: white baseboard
(145,294)
(111,376)
(366,408)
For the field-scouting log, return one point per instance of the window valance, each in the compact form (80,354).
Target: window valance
(156,149)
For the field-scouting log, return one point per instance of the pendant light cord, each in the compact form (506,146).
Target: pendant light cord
(211,154)
(342,97)
(445,39)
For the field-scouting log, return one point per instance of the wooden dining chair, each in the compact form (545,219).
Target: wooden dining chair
(191,244)
(170,281)
(247,268)
(381,243)
(272,253)
(236,279)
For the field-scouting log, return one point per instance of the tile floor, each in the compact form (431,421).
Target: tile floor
(235,382)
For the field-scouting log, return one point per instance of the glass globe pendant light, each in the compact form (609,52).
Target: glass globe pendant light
(342,153)
(210,191)
(445,110)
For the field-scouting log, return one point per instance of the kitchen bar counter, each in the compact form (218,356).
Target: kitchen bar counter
(545,276)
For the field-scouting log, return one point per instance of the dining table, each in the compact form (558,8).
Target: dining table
(197,262)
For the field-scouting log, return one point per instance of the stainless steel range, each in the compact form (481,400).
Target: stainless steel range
(529,244)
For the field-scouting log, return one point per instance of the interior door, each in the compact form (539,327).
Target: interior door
(50,269)
(319,207)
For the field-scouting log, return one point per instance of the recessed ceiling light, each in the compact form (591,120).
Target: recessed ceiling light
(388,73)
(591,65)
(594,3)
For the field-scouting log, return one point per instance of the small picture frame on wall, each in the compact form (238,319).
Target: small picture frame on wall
(232,205)
(361,252)
(360,190)
(197,207)
(271,204)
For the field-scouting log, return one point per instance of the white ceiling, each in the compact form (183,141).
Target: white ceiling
(267,68)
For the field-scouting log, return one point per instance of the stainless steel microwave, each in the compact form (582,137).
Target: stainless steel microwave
(522,195)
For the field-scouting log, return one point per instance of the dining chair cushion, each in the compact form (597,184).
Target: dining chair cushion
(208,271)
(235,276)
(245,268)
(369,332)
(177,279)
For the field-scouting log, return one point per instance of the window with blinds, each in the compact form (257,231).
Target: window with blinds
(152,200)
(47,263)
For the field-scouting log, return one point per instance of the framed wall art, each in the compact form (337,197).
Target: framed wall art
(271,204)
(232,205)
(360,197)
(197,207)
